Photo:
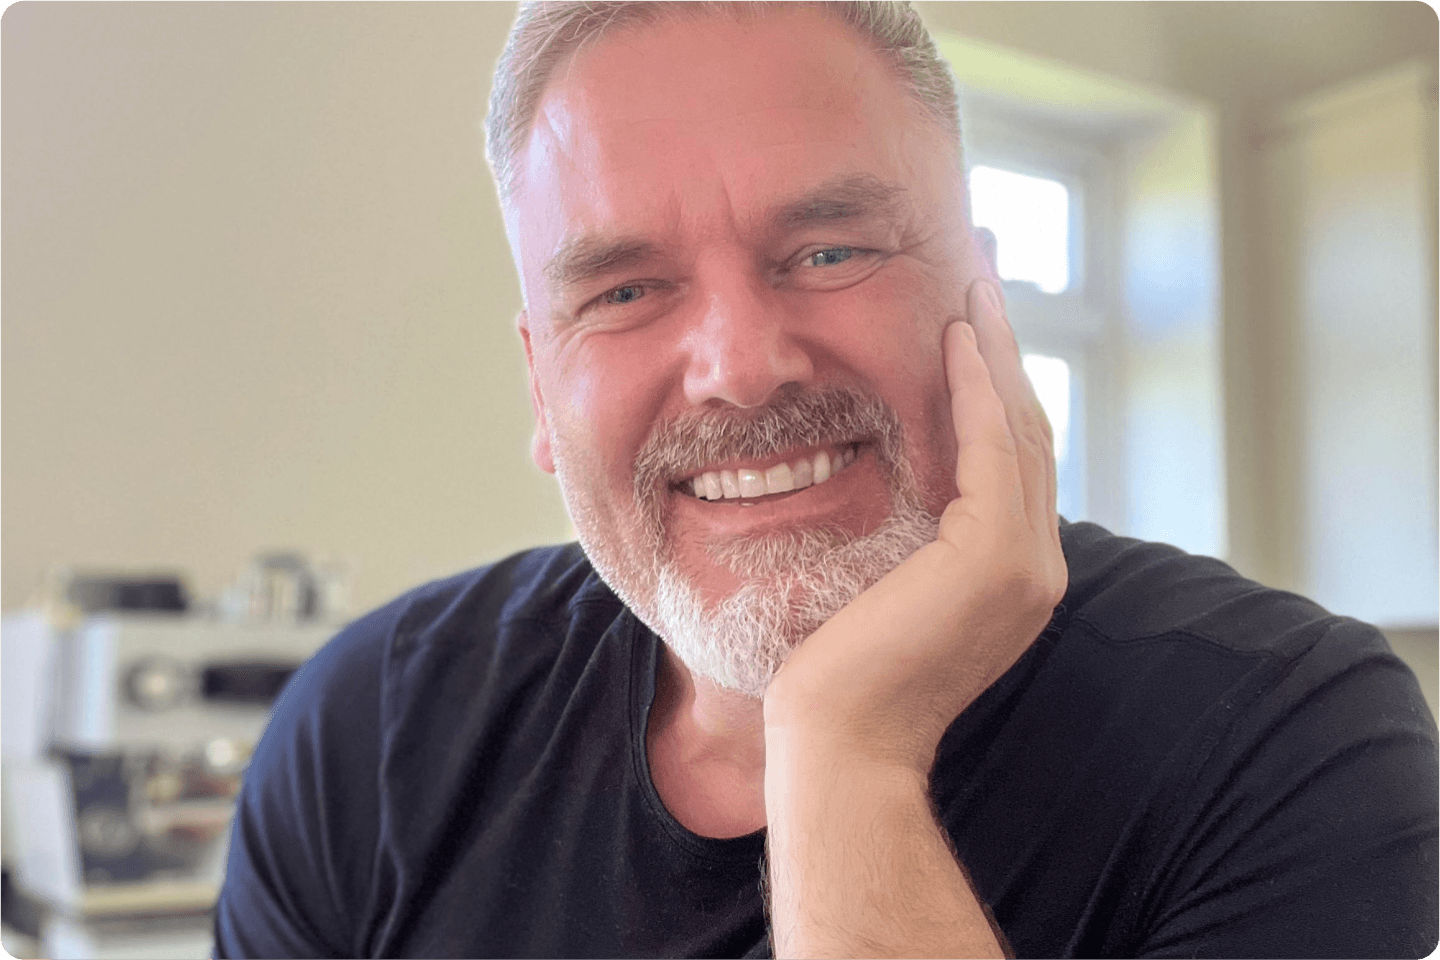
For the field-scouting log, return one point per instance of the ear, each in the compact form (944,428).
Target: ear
(540,439)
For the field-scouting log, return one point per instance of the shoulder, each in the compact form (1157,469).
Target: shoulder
(455,646)
(1131,593)
(306,866)
(1234,685)
(474,640)
(1155,603)
(468,611)
(540,584)
(1251,761)
(1130,590)
(1190,634)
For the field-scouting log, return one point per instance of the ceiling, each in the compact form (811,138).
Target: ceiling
(1254,55)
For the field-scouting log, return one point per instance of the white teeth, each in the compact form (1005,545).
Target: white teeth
(803,473)
(729,485)
(822,467)
(752,483)
(781,478)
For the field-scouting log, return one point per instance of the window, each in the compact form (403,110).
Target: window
(1032,206)
(1029,222)
(1101,198)
(1029,218)
(1051,379)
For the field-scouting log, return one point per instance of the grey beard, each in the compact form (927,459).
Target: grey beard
(791,584)
(791,581)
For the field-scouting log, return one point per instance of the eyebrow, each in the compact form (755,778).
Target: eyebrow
(844,198)
(585,257)
(850,197)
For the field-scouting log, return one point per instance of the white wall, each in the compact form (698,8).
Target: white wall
(1350,177)
(1173,416)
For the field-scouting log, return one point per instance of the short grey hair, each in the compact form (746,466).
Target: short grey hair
(547,32)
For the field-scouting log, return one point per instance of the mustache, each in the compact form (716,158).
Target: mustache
(794,417)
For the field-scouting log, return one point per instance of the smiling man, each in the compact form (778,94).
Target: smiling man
(826,674)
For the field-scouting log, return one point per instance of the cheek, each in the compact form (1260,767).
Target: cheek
(603,408)
(898,322)
(909,310)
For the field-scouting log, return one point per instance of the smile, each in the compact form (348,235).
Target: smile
(749,483)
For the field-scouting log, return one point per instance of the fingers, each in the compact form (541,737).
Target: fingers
(987,472)
(1028,426)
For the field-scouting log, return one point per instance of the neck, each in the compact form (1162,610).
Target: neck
(712,723)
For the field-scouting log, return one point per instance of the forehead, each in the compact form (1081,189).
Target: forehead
(683,122)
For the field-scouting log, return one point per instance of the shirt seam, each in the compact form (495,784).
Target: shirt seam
(692,846)
(1175,633)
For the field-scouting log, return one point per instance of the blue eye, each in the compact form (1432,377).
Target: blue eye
(828,258)
(626,294)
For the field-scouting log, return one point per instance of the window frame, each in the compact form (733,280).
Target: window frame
(1077,324)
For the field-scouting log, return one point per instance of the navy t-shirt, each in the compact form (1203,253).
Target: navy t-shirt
(1184,764)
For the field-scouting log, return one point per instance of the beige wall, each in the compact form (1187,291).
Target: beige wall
(255,292)
(256,295)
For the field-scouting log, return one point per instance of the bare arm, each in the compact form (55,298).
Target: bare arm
(859,867)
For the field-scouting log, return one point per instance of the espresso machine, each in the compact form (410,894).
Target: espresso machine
(126,733)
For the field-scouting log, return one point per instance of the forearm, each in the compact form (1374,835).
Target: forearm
(858,865)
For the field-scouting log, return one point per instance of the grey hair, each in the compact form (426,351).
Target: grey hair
(547,32)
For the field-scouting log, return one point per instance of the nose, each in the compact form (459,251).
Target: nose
(742,347)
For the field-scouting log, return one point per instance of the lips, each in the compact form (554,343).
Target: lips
(748,482)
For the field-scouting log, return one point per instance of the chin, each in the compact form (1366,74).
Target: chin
(789,584)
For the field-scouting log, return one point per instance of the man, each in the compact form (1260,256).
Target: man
(829,676)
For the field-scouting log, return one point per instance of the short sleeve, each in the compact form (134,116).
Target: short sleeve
(301,874)
(1314,823)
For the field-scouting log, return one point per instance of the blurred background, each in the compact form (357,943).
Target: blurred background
(259,371)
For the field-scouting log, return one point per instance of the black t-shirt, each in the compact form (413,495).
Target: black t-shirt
(1184,764)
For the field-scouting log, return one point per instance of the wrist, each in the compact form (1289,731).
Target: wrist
(806,781)
(804,738)
(900,726)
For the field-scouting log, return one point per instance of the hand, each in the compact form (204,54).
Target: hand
(886,675)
